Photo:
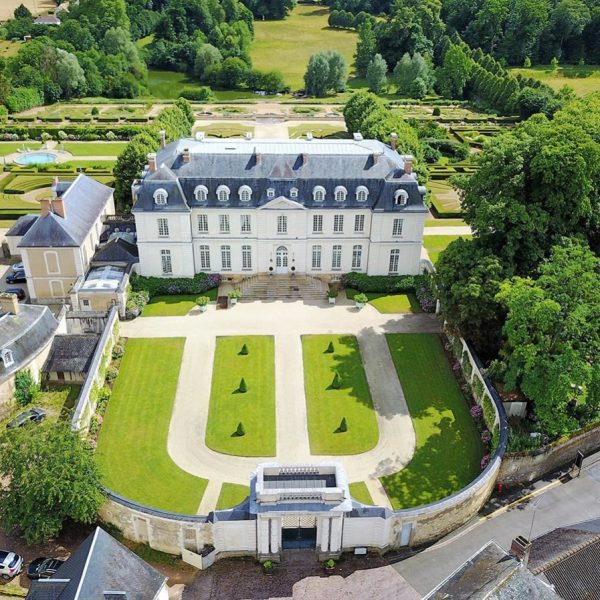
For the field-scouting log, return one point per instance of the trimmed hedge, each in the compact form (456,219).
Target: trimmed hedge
(74,132)
(382,284)
(159,286)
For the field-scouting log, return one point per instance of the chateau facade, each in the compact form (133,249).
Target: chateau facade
(319,207)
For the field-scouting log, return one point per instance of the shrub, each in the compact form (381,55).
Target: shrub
(111,374)
(336,384)
(343,426)
(486,436)
(26,388)
(202,94)
(23,98)
(332,293)
(476,412)
(385,284)
(477,388)
(244,350)
(330,348)
(466,365)
(424,293)
(235,294)
(450,148)
(241,430)
(243,388)
(330,563)
(157,286)
(361,298)
(485,461)
(118,350)
(136,302)
(489,414)
(202,300)
(268,564)
(436,111)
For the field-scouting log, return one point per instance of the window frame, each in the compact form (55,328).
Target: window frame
(316,253)
(401,198)
(162,225)
(204,218)
(204,257)
(224,224)
(340,193)
(359,191)
(245,223)
(359,220)
(201,189)
(223,189)
(282,225)
(394,257)
(226,257)
(166,260)
(245,189)
(319,190)
(336,257)
(161,198)
(338,223)
(357,250)
(318,218)
(397,227)
(246,257)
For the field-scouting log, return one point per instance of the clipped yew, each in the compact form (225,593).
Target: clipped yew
(241,430)
(243,388)
(343,426)
(330,348)
(244,350)
(336,384)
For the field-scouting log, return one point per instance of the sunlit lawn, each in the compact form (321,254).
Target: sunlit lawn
(437,243)
(583,79)
(231,495)
(389,303)
(174,306)
(360,492)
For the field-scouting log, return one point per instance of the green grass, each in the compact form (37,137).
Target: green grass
(132,447)
(226,131)
(7,223)
(318,130)
(255,408)
(389,303)
(326,406)
(445,223)
(444,197)
(9,48)
(286,45)
(360,492)
(168,84)
(22,184)
(231,495)
(94,148)
(583,79)
(174,306)
(7,148)
(448,447)
(437,243)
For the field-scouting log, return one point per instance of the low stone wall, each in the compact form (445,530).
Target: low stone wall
(524,467)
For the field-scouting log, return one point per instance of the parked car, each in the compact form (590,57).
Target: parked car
(18,267)
(11,564)
(16,277)
(33,415)
(43,568)
(18,292)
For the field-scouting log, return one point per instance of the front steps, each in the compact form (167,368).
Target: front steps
(283,287)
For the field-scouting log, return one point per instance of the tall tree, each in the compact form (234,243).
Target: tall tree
(377,74)
(358,108)
(326,72)
(412,74)
(453,75)
(366,48)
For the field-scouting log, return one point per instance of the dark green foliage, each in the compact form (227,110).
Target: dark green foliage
(358,108)
(386,284)
(244,350)
(241,430)
(159,286)
(343,427)
(242,388)
(366,47)
(24,98)
(26,388)
(377,74)
(202,94)
(270,9)
(336,384)
(22,12)
(326,72)
(330,349)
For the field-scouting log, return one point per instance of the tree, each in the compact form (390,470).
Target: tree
(525,25)
(326,71)
(343,426)
(240,430)
(377,74)
(413,76)
(380,123)
(207,57)
(69,74)
(26,388)
(366,48)
(569,18)
(49,476)
(453,75)
(531,101)
(527,62)
(329,349)
(554,63)
(270,9)
(22,12)
(186,108)
(242,388)
(336,384)
(244,350)
(358,108)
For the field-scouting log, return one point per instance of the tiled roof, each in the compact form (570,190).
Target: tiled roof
(117,251)
(22,226)
(71,353)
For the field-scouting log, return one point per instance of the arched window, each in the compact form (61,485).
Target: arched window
(201,193)
(160,196)
(223,193)
(319,193)
(7,357)
(340,193)
(400,197)
(294,193)
(245,193)
(362,193)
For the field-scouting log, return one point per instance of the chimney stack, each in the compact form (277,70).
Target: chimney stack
(186,155)
(376,156)
(520,547)
(152,162)
(9,303)
(45,206)
(408,164)
(358,137)
(163,138)
(394,140)
(304,158)
(59,208)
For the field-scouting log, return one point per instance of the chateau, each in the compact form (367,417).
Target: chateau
(248,206)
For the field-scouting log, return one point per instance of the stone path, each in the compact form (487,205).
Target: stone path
(286,321)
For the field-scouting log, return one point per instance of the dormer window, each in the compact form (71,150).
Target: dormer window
(340,193)
(223,193)
(7,357)
(362,193)
(245,193)
(401,198)
(160,197)
(271,193)
(319,193)
(201,193)
(294,193)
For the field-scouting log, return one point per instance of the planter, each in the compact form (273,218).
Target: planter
(203,308)
(329,570)
(331,300)
(233,301)
(359,305)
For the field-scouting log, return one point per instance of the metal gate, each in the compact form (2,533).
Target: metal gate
(299,531)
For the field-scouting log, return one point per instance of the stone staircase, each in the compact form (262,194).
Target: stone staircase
(282,287)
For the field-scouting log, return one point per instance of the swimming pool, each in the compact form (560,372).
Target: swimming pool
(36,158)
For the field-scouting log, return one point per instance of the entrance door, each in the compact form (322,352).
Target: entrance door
(281,260)
(299,532)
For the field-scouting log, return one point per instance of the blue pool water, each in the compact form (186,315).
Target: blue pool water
(36,158)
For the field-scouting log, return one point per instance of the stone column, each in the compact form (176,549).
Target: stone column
(324,533)
(262,536)
(275,536)
(335,543)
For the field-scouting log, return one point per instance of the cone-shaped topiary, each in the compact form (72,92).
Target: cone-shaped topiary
(244,350)
(240,431)
(243,387)
(336,384)
(330,349)
(343,426)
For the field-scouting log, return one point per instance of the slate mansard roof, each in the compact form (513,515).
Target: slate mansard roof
(279,165)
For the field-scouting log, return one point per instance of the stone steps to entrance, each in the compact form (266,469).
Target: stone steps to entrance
(282,287)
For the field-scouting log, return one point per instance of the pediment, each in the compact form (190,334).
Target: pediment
(282,203)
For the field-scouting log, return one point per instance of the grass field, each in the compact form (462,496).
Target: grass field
(9,48)
(12,147)
(174,306)
(448,448)
(436,243)
(22,184)
(255,408)
(132,447)
(7,7)
(445,223)
(389,303)
(360,492)
(444,197)
(95,148)
(168,84)
(231,495)
(319,131)
(286,45)
(583,79)
(327,406)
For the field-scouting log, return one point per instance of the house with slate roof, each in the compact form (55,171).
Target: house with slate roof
(240,207)
(58,245)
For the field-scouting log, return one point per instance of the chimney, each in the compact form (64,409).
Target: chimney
(163,138)
(309,136)
(408,164)
(45,206)
(304,159)
(358,137)
(59,208)
(152,162)
(394,140)
(9,303)
(186,155)
(520,547)
(376,156)
(257,156)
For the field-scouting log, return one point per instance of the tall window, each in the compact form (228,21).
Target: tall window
(223,223)
(319,194)
(338,224)
(165,260)
(317,223)
(245,226)
(246,258)
(394,261)
(397,228)
(356,256)
(163,227)
(361,193)
(223,193)
(336,258)
(245,193)
(226,258)
(316,257)
(340,193)
(202,223)
(204,258)
(359,223)
(160,196)
(281,224)
(201,193)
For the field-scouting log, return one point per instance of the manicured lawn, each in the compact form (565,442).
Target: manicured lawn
(174,306)
(318,131)
(327,406)
(286,45)
(448,447)
(95,148)
(231,495)
(436,243)
(444,197)
(226,130)
(583,79)
(12,147)
(22,184)
(360,492)
(389,303)
(168,84)
(132,447)
(445,223)
(255,408)
(9,48)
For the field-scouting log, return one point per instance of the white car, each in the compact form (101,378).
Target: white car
(11,564)
(18,267)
